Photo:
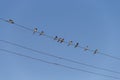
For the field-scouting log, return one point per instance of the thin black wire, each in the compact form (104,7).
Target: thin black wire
(59,57)
(110,56)
(23,27)
(48,36)
(57,64)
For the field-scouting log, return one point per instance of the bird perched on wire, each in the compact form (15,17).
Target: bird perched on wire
(59,39)
(62,40)
(35,30)
(55,38)
(11,21)
(70,43)
(42,32)
(86,48)
(76,45)
(96,51)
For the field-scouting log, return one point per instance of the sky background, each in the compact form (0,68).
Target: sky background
(90,22)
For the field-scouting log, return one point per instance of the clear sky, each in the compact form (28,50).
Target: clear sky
(90,22)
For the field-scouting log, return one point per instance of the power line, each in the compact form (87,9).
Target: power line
(59,57)
(29,29)
(57,64)
(51,37)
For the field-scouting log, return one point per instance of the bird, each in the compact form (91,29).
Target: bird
(35,30)
(59,39)
(62,40)
(11,21)
(86,48)
(96,51)
(76,45)
(55,38)
(70,43)
(42,32)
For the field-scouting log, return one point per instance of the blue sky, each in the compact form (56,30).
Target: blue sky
(90,22)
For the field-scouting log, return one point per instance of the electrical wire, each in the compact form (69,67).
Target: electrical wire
(59,57)
(51,37)
(57,64)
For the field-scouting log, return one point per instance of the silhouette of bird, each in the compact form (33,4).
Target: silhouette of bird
(76,45)
(70,43)
(42,32)
(11,21)
(35,30)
